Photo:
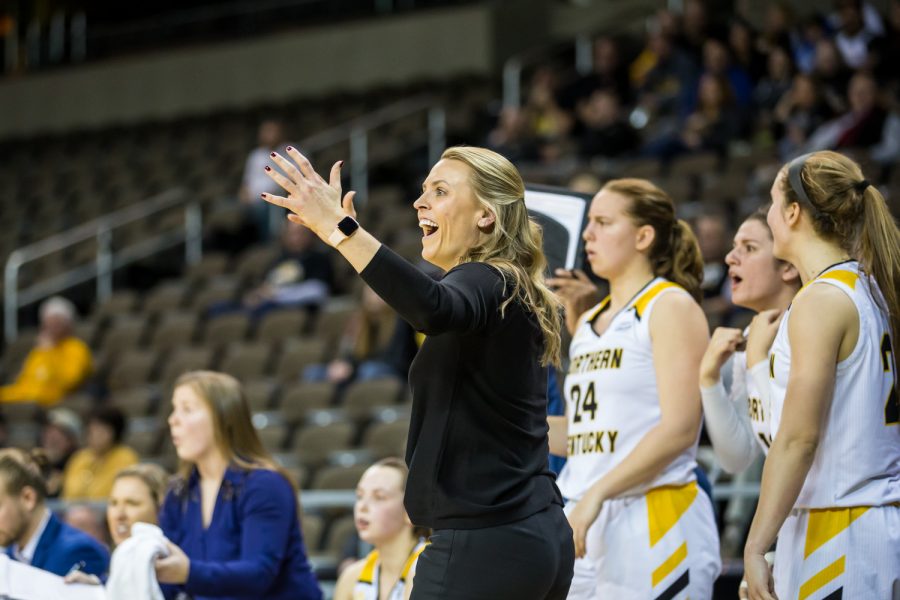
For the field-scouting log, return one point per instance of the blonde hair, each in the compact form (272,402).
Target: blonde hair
(233,430)
(675,253)
(153,476)
(514,244)
(846,210)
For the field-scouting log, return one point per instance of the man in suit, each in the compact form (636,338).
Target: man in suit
(30,532)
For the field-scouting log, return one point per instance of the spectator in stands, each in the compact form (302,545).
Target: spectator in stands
(798,114)
(603,129)
(57,365)
(832,75)
(854,37)
(609,73)
(92,470)
(742,43)
(136,497)
(4,432)
(271,138)
(885,51)
(232,515)
(301,275)
(717,62)
(804,43)
(60,439)
(381,520)
(375,344)
(713,236)
(547,123)
(30,532)
(860,127)
(88,519)
(710,128)
(773,85)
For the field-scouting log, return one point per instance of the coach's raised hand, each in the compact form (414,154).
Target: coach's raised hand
(315,203)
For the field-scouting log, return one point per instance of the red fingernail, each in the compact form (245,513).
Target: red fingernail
(268,168)
(290,148)
(263,195)
(340,164)
(272,155)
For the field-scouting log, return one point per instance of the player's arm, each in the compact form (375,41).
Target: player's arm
(678,333)
(817,344)
(343,590)
(558,434)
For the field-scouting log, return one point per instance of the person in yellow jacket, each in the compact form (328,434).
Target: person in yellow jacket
(57,365)
(91,471)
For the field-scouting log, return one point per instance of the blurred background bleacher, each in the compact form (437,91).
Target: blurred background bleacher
(124,137)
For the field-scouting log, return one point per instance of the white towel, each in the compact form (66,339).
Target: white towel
(132,571)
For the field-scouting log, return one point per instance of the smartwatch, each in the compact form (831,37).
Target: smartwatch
(345,228)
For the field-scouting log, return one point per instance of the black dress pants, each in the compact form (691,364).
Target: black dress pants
(531,559)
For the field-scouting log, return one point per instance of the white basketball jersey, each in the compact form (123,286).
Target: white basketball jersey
(369,581)
(758,409)
(858,459)
(611,396)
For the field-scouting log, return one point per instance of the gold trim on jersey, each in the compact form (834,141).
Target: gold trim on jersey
(367,575)
(822,578)
(592,313)
(665,505)
(826,523)
(411,561)
(669,565)
(848,278)
(641,303)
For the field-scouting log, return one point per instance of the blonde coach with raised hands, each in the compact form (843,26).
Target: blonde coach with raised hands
(477,448)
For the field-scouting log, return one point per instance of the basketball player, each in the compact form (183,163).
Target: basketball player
(387,571)
(738,423)
(831,482)
(633,411)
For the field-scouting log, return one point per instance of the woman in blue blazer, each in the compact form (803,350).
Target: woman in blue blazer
(232,515)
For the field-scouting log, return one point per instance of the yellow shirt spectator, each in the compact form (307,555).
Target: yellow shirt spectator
(90,476)
(50,372)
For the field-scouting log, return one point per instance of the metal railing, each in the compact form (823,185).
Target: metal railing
(106,260)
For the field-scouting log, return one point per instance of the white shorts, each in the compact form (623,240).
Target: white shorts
(663,544)
(837,553)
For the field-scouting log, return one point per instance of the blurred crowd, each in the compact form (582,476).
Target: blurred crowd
(704,81)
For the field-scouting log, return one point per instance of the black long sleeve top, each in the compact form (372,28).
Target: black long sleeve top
(477,449)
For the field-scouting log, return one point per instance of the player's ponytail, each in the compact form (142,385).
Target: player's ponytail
(847,210)
(674,253)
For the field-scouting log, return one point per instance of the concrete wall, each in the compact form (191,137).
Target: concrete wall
(307,62)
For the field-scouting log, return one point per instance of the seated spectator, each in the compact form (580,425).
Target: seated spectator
(603,129)
(741,42)
(271,138)
(713,237)
(60,439)
(376,343)
(710,128)
(798,114)
(92,470)
(717,61)
(136,497)
(885,51)
(773,85)
(547,123)
(30,532)
(88,519)
(511,136)
(57,365)
(832,75)
(232,515)
(803,45)
(860,127)
(301,275)
(381,520)
(609,73)
(854,36)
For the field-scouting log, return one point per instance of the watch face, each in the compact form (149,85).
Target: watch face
(347,225)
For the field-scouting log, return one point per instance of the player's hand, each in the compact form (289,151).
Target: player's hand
(581,519)
(762,333)
(758,575)
(83,578)
(314,202)
(173,568)
(577,292)
(725,342)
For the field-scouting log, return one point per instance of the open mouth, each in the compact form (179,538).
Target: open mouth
(428,226)
(735,279)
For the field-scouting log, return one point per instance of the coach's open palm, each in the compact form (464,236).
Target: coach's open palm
(317,204)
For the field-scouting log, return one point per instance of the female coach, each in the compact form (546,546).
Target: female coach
(477,447)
